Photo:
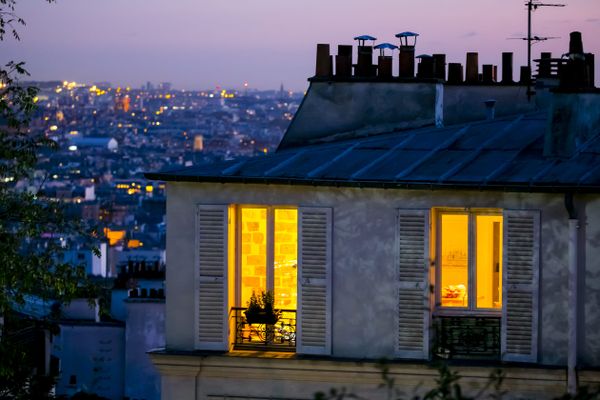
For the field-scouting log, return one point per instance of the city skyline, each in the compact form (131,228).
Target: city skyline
(266,43)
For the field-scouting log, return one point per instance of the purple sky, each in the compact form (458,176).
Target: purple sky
(204,43)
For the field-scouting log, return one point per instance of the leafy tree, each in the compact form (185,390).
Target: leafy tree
(30,227)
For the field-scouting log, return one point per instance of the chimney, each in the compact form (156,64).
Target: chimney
(545,66)
(589,58)
(439,66)
(507,63)
(407,62)
(575,107)
(577,73)
(472,72)
(384,66)
(384,63)
(425,67)
(408,41)
(455,73)
(343,61)
(575,43)
(488,73)
(525,75)
(323,67)
(364,66)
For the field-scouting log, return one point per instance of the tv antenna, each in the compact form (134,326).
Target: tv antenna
(533,5)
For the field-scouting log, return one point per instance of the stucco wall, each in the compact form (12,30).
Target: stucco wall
(94,354)
(589,282)
(245,377)
(363,250)
(145,330)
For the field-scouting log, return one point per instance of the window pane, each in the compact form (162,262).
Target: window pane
(489,261)
(286,258)
(455,260)
(254,252)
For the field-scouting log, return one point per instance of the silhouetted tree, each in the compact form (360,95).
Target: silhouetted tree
(30,262)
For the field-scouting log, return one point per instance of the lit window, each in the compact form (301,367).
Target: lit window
(470,260)
(267,254)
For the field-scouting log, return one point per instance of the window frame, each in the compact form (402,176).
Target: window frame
(471,309)
(270,267)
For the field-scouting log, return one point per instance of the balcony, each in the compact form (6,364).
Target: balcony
(467,337)
(280,336)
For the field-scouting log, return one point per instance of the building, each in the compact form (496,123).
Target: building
(406,218)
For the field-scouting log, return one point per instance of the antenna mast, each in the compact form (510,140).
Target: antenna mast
(533,5)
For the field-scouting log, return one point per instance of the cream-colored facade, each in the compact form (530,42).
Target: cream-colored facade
(363,304)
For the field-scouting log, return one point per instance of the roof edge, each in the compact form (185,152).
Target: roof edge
(497,187)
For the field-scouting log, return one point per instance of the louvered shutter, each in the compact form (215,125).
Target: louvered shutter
(520,285)
(412,296)
(211,278)
(314,281)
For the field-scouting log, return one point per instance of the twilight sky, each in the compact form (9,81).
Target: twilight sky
(199,44)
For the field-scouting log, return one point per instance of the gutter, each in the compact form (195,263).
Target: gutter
(424,185)
(573,303)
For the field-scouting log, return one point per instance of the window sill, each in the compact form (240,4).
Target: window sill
(446,312)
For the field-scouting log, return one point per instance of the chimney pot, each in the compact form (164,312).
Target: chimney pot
(488,73)
(545,66)
(407,62)
(343,61)
(323,67)
(507,67)
(384,66)
(425,67)
(575,43)
(525,75)
(455,73)
(439,66)
(472,73)
(364,65)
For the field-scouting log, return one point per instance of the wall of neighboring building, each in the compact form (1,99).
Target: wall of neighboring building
(465,103)
(364,229)
(93,264)
(91,359)
(145,330)
(361,108)
(364,108)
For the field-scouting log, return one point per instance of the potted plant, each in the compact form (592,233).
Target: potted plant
(261,309)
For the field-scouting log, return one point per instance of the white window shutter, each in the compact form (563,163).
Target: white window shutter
(314,281)
(520,285)
(211,278)
(412,296)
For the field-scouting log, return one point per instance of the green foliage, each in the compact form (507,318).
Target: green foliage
(261,308)
(30,228)
(447,387)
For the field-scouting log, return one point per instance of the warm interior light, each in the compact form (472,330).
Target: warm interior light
(454,260)
(286,258)
(253,258)
(489,261)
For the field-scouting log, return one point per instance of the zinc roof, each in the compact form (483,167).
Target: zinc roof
(501,154)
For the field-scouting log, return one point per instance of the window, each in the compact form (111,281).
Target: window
(245,248)
(469,259)
(267,254)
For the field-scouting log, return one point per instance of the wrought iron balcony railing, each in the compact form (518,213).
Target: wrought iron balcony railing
(280,336)
(467,337)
